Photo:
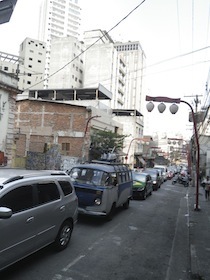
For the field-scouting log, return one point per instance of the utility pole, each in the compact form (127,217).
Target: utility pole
(196,101)
(196,156)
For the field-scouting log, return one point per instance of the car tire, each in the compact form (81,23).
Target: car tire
(63,236)
(144,196)
(111,213)
(126,204)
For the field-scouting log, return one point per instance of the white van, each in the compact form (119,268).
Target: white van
(164,170)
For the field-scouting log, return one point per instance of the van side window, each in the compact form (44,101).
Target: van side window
(18,199)
(66,187)
(124,177)
(119,177)
(47,192)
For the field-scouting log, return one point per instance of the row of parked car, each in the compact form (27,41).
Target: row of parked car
(150,179)
(38,208)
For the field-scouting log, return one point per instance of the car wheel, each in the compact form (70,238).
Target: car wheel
(64,236)
(126,204)
(110,215)
(144,194)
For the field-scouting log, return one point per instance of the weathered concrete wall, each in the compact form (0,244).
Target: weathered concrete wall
(68,162)
(50,160)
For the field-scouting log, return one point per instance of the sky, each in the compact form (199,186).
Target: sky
(175,37)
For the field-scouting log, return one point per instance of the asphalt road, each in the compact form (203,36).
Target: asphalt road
(148,241)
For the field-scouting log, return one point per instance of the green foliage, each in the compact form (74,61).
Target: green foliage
(104,142)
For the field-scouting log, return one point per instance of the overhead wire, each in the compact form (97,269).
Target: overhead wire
(164,61)
(178,23)
(205,105)
(152,65)
(105,33)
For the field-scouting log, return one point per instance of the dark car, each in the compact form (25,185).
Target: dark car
(156,179)
(142,185)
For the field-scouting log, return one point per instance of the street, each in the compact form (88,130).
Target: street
(147,241)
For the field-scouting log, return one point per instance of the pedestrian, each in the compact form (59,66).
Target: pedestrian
(207,187)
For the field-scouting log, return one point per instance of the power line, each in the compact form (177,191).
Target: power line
(105,33)
(178,56)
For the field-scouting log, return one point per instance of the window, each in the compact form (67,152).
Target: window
(47,192)
(65,148)
(66,187)
(18,199)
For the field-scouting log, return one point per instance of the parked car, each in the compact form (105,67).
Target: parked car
(101,187)
(156,179)
(164,170)
(162,177)
(37,208)
(142,185)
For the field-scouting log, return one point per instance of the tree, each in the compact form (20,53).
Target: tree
(106,145)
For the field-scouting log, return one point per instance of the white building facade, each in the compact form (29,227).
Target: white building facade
(58,18)
(117,66)
(8,93)
(103,65)
(134,58)
(69,67)
(32,65)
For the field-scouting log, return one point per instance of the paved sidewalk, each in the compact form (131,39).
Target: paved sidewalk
(199,235)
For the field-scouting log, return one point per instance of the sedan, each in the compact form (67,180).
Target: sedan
(142,185)
(154,173)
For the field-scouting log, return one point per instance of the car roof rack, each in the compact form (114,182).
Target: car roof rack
(107,162)
(29,175)
(117,166)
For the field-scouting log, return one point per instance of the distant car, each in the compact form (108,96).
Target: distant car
(37,208)
(162,177)
(156,179)
(164,170)
(142,185)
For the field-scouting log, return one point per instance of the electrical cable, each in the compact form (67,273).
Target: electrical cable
(105,33)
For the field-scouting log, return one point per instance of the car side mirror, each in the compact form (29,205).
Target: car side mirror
(5,213)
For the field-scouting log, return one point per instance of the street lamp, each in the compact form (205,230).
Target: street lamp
(134,139)
(173,109)
(85,133)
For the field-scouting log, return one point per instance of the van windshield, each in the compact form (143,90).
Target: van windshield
(90,176)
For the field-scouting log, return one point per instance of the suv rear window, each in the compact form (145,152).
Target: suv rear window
(47,192)
(18,199)
(66,187)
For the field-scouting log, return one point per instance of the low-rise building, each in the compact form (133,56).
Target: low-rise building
(8,93)
(54,133)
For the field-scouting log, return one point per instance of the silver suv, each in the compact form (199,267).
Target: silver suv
(37,208)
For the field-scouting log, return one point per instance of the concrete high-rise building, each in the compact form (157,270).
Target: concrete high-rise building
(117,66)
(68,68)
(32,64)
(58,18)
(29,66)
(103,65)
(134,58)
